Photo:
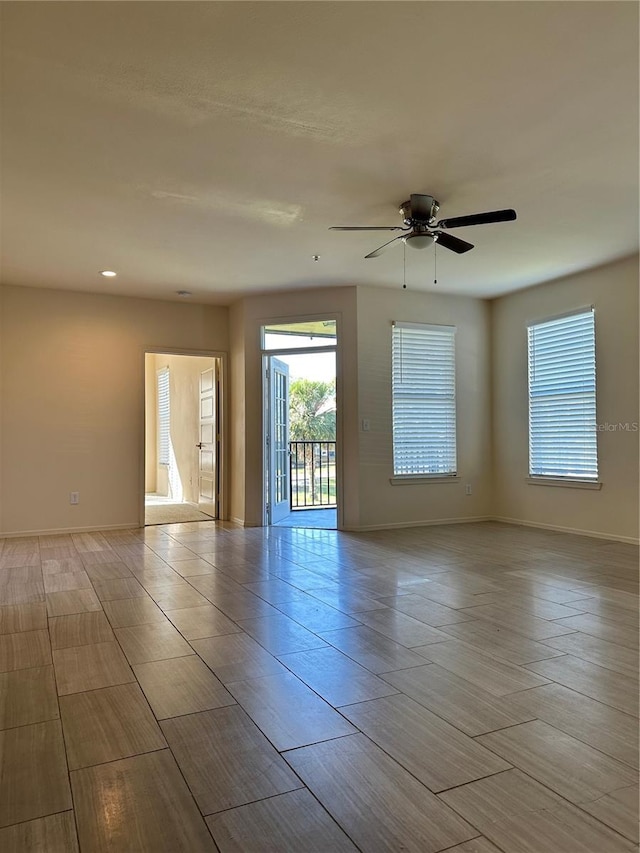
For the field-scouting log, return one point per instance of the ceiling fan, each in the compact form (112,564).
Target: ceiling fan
(421,228)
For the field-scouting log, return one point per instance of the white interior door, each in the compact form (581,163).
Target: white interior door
(278,440)
(207,446)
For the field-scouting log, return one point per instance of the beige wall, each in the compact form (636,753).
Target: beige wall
(72,377)
(382,504)
(72,372)
(612,511)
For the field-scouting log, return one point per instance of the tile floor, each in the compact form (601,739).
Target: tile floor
(199,687)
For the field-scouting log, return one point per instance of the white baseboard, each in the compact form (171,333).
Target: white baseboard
(403,524)
(576,531)
(59,531)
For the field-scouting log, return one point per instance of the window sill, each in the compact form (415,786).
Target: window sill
(567,484)
(421,479)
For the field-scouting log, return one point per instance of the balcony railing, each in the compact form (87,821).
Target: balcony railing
(312,468)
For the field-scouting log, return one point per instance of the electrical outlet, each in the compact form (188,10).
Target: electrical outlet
(467,489)
(74,498)
(366,425)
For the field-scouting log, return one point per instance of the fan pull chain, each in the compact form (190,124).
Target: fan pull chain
(435,262)
(404,265)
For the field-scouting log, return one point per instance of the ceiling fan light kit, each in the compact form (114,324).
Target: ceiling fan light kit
(422,229)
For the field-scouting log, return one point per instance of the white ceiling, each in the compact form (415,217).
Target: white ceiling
(208,146)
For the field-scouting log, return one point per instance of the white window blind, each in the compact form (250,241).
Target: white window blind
(562,398)
(423,399)
(164,417)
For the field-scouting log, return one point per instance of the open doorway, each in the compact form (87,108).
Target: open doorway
(182,438)
(300,424)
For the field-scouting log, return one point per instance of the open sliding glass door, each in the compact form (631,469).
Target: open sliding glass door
(277,439)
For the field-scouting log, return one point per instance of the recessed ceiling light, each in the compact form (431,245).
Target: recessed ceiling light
(108,273)
(184,293)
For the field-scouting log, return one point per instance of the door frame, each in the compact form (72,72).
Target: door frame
(335,348)
(223,426)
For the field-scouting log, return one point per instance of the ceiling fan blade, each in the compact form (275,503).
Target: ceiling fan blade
(380,249)
(478,219)
(366,228)
(454,243)
(421,207)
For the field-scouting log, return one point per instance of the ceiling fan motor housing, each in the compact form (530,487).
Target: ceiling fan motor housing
(428,211)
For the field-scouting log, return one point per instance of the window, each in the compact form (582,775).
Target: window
(562,398)
(423,400)
(164,417)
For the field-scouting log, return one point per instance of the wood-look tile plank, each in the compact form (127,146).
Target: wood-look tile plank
(517,813)
(433,751)
(288,712)
(425,610)
(592,680)
(502,643)
(138,805)
(243,605)
(183,685)
(619,810)
(195,566)
(114,589)
(236,657)
(52,565)
(401,628)
(23,617)
(372,650)
(335,677)
(606,729)
(275,590)
(226,760)
(519,621)
(72,601)
(280,634)
(63,581)
(621,613)
(605,629)
(569,767)
(21,592)
(126,612)
(378,803)
(176,596)
(27,696)
(609,655)
(212,586)
(90,667)
(461,703)
(34,780)
(155,641)
(196,623)
(108,724)
(55,833)
(494,676)
(108,571)
(80,629)
(347,600)
(317,616)
(21,574)
(530,604)
(287,823)
(476,845)
(24,649)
